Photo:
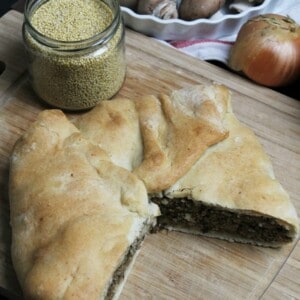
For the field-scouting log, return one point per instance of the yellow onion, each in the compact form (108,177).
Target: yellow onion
(267,50)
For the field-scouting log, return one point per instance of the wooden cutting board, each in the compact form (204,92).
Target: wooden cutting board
(171,265)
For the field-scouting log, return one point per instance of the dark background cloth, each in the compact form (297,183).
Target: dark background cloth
(5,5)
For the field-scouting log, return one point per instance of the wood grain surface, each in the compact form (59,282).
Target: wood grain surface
(171,265)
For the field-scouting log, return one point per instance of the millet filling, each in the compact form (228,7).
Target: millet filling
(119,274)
(195,215)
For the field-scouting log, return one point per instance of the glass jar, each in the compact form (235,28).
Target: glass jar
(69,73)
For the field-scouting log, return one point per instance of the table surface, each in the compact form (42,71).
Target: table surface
(172,265)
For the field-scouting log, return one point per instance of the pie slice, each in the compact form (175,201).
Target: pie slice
(231,192)
(77,219)
(204,181)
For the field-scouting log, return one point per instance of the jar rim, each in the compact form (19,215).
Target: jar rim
(99,38)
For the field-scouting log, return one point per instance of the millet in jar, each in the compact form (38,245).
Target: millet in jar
(78,78)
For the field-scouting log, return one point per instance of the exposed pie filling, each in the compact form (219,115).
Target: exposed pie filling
(120,272)
(195,215)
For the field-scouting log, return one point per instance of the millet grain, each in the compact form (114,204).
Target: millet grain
(75,80)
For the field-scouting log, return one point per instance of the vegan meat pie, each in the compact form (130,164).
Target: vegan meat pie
(83,194)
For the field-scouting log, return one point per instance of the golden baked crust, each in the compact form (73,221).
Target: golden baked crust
(114,126)
(73,213)
(158,138)
(175,134)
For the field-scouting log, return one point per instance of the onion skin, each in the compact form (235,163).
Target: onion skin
(267,50)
